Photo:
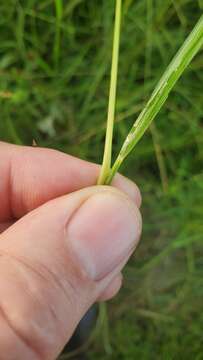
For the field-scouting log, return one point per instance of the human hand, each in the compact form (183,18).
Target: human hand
(64,253)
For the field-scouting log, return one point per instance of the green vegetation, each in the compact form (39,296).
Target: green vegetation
(55,70)
(159,96)
(106,165)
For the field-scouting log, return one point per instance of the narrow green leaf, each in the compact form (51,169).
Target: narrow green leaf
(180,62)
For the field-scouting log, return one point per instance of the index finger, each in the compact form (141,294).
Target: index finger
(31,176)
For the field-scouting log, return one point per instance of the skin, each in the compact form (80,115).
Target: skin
(55,228)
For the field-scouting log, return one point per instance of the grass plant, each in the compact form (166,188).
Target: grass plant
(174,71)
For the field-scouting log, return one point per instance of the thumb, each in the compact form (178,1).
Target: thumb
(56,262)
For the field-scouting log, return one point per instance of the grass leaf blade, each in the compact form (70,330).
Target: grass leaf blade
(174,71)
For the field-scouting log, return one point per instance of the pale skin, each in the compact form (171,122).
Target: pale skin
(63,245)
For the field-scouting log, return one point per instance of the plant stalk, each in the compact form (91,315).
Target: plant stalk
(106,166)
(59,14)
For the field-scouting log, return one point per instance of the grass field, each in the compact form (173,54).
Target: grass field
(54,81)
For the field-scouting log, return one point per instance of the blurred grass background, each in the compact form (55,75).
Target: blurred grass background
(54,81)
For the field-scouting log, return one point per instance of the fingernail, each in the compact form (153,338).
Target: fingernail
(102,232)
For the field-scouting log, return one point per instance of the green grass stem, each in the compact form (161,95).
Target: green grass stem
(106,166)
(59,14)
